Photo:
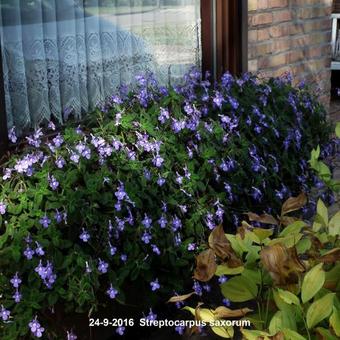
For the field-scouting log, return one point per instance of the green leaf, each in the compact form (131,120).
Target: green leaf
(334,225)
(293,228)
(319,310)
(224,332)
(303,245)
(334,321)
(225,270)
(288,297)
(312,282)
(262,234)
(280,303)
(322,212)
(315,154)
(254,335)
(239,289)
(281,320)
(292,335)
(325,334)
(337,129)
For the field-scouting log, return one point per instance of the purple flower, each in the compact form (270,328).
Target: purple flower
(222,279)
(4,313)
(12,136)
(113,250)
(158,161)
(17,296)
(256,194)
(74,157)
(102,266)
(197,288)
(123,257)
(120,330)
(226,302)
(155,249)
(210,221)
(207,287)
(162,221)
(111,292)
(58,140)
(16,281)
(177,125)
(146,238)
(29,253)
(176,223)
(155,285)
(177,240)
(45,221)
(233,102)
(180,330)
(147,174)
(84,236)
(179,178)
(36,328)
(46,273)
(164,115)
(146,221)
(60,162)
(53,182)
(120,193)
(218,99)
(151,316)
(7,174)
(51,126)
(3,208)
(160,180)
(58,216)
(191,246)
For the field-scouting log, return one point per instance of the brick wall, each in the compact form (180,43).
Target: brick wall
(294,36)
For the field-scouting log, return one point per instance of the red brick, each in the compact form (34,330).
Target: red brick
(277,3)
(262,4)
(262,19)
(263,34)
(281,45)
(273,61)
(296,56)
(282,16)
(279,31)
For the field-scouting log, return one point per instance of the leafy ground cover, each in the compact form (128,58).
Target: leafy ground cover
(122,203)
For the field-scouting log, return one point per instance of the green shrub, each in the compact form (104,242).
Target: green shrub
(130,194)
(287,279)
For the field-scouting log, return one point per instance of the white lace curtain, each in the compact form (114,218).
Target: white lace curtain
(64,57)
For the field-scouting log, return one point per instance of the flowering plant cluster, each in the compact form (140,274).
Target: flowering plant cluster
(131,192)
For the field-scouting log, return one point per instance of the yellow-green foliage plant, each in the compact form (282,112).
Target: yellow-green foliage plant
(284,278)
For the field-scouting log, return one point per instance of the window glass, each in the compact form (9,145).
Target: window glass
(62,58)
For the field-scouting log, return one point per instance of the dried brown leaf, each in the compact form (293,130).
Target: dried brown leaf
(331,257)
(288,220)
(278,336)
(293,204)
(282,263)
(224,312)
(179,298)
(205,266)
(222,247)
(264,218)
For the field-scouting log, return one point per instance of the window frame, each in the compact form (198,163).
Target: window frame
(224,36)
(224,41)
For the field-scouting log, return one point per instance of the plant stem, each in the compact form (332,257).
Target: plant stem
(305,323)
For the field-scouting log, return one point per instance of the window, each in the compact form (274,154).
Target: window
(62,58)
